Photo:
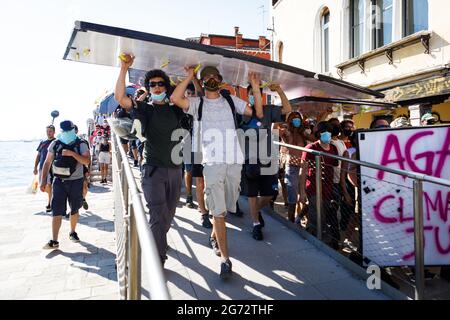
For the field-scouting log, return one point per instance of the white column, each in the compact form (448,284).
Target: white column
(414,115)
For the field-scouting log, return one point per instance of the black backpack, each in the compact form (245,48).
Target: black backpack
(64,166)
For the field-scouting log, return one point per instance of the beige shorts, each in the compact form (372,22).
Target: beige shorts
(222,187)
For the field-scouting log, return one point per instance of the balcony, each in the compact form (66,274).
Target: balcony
(387,50)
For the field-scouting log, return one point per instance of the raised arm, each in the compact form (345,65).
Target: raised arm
(255,81)
(177,96)
(286,105)
(120,92)
(198,88)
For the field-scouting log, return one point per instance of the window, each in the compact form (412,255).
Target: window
(357,17)
(383,12)
(325,35)
(415,16)
(280,51)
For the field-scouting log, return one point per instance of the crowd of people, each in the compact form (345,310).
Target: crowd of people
(227,147)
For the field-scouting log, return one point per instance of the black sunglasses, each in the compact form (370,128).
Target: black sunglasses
(159,84)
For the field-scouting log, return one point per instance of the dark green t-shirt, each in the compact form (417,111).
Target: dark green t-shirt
(160,122)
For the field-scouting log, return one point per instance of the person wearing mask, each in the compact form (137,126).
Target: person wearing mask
(347,128)
(66,155)
(39,163)
(341,148)
(104,159)
(323,132)
(215,122)
(295,135)
(161,175)
(260,171)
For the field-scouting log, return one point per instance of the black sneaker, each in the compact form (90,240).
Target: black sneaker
(261,220)
(215,246)
(225,270)
(189,202)
(257,232)
(51,245)
(74,237)
(136,164)
(85,205)
(48,208)
(205,221)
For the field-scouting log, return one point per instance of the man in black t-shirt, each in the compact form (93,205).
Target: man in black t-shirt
(161,176)
(39,161)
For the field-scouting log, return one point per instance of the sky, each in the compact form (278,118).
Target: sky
(35,79)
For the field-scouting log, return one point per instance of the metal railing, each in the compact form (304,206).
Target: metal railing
(417,197)
(134,239)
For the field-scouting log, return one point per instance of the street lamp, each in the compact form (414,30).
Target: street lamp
(54,115)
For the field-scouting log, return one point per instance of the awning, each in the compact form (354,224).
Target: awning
(99,44)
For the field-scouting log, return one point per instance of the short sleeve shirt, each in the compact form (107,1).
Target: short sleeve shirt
(328,165)
(215,137)
(42,149)
(258,134)
(160,122)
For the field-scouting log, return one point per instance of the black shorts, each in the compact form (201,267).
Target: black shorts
(133,144)
(197,171)
(263,185)
(67,191)
(123,141)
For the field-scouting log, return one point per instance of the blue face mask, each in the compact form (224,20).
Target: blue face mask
(67,137)
(251,100)
(158,97)
(325,137)
(297,123)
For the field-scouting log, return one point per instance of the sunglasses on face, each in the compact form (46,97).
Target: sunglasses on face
(159,84)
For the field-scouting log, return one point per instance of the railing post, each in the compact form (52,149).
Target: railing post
(135,260)
(419,240)
(319,196)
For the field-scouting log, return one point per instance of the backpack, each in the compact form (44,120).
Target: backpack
(64,166)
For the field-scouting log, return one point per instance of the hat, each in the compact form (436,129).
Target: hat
(67,125)
(209,70)
(428,116)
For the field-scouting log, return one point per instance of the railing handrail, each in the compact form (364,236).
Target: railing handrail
(409,174)
(158,288)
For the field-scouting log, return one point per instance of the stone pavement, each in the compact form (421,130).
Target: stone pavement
(283,266)
(84,270)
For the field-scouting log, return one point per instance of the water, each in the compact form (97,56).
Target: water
(17,163)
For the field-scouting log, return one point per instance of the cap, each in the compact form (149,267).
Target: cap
(209,70)
(67,125)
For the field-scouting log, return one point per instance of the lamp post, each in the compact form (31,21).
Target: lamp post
(54,115)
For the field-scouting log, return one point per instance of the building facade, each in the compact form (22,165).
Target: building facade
(399,47)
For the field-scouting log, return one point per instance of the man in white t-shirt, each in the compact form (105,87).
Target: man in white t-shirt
(215,128)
